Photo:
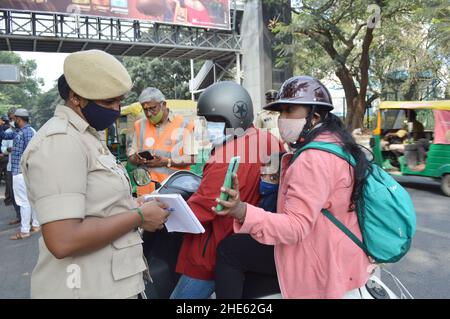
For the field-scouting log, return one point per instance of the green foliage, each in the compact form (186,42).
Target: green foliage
(329,38)
(4,108)
(408,45)
(341,21)
(144,73)
(23,94)
(44,107)
(439,13)
(158,73)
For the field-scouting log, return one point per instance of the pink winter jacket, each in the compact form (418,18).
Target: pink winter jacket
(314,259)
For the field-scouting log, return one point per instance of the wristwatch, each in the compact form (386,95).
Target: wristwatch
(169,162)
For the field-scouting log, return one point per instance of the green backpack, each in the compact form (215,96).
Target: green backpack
(388,222)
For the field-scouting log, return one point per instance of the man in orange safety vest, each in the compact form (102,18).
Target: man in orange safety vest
(168,137)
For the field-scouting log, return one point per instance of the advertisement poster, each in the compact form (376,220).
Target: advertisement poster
(214,14)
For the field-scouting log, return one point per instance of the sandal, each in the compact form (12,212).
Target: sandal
(20,235)
(14,222)
(35,229)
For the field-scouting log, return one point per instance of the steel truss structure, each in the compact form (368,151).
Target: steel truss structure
(44,32)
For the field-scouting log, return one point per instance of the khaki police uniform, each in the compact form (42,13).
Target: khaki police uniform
(268,120)
(71,175)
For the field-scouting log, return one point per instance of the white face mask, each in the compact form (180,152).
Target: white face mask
(290,129)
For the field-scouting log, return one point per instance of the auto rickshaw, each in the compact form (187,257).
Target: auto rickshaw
(401,116)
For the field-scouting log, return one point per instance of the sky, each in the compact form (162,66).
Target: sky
(49,66)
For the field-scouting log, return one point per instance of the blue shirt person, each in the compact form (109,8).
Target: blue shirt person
(21,137)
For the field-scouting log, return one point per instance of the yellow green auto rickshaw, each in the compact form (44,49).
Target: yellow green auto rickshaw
(413,138)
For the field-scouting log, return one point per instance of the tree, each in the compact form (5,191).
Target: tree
(45,106)
(144,73)
(407,64)
(336,36)
(25,93)
(158,73)
(439,13)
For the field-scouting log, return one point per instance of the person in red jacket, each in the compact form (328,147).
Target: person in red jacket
(227,104)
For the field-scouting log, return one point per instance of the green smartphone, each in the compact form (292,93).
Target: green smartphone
(228,182)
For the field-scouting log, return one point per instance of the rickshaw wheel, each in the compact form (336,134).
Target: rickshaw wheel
(445,184)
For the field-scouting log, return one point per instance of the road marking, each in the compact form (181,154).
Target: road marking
(433,232)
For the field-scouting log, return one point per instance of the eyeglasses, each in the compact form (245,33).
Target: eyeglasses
(151,108)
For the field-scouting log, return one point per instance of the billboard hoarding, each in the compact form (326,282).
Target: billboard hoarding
(214,14)
(10,73)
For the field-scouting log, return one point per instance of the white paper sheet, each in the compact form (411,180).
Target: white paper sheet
(181,219)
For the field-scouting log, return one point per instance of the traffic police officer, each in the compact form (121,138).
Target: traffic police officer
(90,247)
(268,120)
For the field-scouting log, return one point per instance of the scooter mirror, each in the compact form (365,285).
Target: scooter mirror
(141,176)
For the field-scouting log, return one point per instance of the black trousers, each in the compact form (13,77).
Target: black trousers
(9,193)
(237,255)
(3,164)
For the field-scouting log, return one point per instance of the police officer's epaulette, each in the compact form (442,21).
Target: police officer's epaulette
(57,125)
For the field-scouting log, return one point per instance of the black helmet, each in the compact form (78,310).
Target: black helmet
(304,90)
(226,102)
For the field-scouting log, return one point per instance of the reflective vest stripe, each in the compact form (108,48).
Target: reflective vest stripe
(173,133)
(142,135)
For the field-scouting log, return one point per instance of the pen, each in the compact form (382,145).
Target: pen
(171,210)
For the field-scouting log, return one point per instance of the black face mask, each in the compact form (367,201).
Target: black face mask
(99,117)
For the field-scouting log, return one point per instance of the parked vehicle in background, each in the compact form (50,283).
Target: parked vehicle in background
(403,145)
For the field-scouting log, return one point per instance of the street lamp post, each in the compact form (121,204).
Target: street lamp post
(175,84)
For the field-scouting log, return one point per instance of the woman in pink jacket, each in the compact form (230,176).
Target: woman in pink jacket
(313,258)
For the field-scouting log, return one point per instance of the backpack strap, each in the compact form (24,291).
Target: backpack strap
(327,147)
(345,230)
(339,152)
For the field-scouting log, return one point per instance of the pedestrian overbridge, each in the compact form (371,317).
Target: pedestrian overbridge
(66,33)
(239,47)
